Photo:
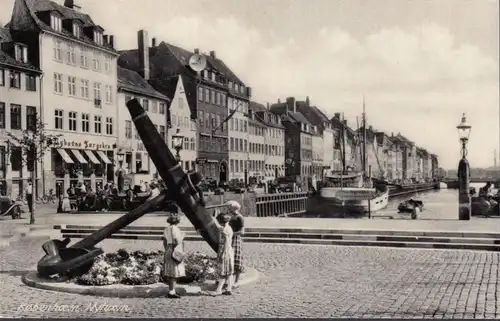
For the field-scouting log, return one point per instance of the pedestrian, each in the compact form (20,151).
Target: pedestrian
(29,196)
(155,191)
(225,256)
(173,260)
(237,223)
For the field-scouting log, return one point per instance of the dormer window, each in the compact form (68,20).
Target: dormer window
(56,22)
(98,39)
(77,30)
(242,89)
(21,53)
(236,87)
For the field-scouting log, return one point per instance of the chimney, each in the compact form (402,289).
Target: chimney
(392,134)
(153,42)
(212,54)
(308,101)
(290,104)
(72,5)
(112,41)
(143,44)
(196,51)
(370,128)
(345,122)
(279,101)
(268,105)
(337,116)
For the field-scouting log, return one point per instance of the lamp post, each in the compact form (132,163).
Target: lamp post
(464,201)
(177,141)
(245,173)
(120,174)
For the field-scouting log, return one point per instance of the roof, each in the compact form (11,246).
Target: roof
(259,108)
(320,113)
(131,81)
(9,60)
(130,59)
(24,18)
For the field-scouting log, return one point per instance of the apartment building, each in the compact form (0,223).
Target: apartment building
(206,93)
(239,133)
(19,108)
(78,89)
(131,153)
(182,123)
(347,139)
(271,144)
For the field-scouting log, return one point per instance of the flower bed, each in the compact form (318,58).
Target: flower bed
(144,267)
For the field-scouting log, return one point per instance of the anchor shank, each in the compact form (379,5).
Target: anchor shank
(182,189)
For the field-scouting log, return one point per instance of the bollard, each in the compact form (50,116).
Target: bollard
(464,199)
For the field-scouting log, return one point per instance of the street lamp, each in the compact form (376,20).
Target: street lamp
(120,158)
(177,141)
(464,200)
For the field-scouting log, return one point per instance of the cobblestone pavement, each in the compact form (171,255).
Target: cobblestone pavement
(296,281)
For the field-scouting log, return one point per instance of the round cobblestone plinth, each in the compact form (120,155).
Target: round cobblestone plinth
(129,291)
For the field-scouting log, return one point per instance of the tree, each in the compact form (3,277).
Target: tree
(34,142)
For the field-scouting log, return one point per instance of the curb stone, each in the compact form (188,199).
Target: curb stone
(126,291)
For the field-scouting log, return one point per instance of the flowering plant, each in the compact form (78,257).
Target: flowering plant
(144,267)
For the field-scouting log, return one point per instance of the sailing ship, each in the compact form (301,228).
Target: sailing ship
(350,191)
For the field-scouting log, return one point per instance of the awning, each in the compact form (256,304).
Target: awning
(65,156)
(92,157)
(103,156)
(79,156)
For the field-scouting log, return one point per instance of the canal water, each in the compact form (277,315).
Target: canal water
(437,203)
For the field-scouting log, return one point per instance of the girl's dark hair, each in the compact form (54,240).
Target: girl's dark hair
(173,220)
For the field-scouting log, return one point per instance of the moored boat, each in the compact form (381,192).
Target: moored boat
(410,205)
(348,193)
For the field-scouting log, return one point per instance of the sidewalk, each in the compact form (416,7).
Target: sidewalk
(475,225)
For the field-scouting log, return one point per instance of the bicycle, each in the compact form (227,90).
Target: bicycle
(45,199)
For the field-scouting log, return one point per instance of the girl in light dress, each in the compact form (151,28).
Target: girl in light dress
(225,256)
(173,240)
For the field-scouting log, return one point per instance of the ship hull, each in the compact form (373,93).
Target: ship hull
(352,201)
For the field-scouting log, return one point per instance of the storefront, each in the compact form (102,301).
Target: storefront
(74,162)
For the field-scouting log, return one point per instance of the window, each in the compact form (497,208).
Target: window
(71,86)
(181,103)
(98,37)
(31,118)
(56,22)
(97,94)
(72,121)
(84,92)
(30,83)
(96,63)
(154,107)
(58,86)
(218,100)
(109,126)
(162,108)
(223,97)
(212,97)
(193,143)
(58,117)
(109,94)
(15,116)
(85,123)
(2,77)
(2,115)
(70,55)
(207,95)
(97,124)
(57,55)
(16,158)
(107,64)
(21,53)
(162,132)
(128,129)
(84,60)
(145,104)
(15,79)
(77,30)
(200,93)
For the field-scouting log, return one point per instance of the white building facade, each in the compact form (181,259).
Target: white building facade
(78,92)
(182,124)
(133,157)
(239,155)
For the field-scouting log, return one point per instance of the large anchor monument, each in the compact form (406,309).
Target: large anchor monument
(77,259)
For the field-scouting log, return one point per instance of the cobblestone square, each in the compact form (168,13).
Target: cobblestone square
(296,281)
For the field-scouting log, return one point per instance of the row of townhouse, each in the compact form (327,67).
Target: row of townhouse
(59,65)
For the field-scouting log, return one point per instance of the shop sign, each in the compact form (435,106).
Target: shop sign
(83,145)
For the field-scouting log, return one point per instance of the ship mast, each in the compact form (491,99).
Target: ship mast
(343,145)
(364,137)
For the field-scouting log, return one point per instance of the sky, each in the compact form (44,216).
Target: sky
(419,64)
